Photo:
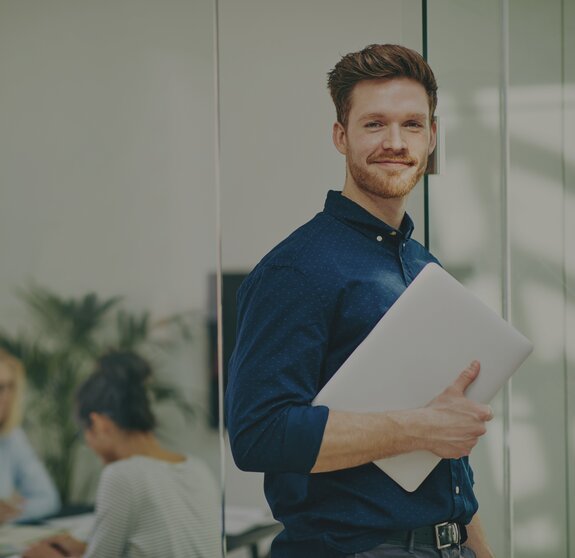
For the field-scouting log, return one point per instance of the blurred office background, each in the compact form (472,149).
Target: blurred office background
(109,169)
(107,184)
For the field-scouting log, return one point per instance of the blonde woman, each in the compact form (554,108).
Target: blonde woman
(26,490)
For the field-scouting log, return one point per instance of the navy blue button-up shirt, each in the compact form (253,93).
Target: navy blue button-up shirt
(302,311)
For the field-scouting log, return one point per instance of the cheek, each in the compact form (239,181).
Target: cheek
(362,150)
(5,402)
(90,440)
(368,142)
(99,446)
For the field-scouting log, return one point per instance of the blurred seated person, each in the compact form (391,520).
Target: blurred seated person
(150,501)
(26,490)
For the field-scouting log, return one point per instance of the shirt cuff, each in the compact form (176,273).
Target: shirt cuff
(303,435)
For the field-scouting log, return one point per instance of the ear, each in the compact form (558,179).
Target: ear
(433,137)
(339,136)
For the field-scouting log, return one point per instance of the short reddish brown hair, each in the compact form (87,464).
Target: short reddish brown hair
(378,62)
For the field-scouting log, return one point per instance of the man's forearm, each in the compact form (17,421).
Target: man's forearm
(449,426)
(353,439)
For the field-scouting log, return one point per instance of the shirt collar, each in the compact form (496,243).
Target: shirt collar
(348,211)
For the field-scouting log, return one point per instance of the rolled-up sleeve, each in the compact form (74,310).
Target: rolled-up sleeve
(275,372)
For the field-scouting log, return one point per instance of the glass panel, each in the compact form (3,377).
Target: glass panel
(535,518)
(277,156)
(107,173)
(568,56)
(537,228)
(465,199)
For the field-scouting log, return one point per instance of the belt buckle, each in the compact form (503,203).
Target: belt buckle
(446,534)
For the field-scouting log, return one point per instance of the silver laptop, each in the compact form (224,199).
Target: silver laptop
(419,347)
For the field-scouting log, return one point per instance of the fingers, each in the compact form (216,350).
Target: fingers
(467,377)
(464,380)
(42,550)
(8,511)
(488,413)
(483,413)
(480,413)
(62,543)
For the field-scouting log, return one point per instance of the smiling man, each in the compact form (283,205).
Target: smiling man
(306,307)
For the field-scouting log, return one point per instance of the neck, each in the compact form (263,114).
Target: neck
(146,444)
(388,210)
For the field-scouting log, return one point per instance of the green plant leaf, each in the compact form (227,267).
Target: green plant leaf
(68,321)
(132,329)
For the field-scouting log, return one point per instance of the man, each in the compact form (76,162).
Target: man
(305,308)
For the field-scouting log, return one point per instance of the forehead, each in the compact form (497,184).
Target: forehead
(392,97)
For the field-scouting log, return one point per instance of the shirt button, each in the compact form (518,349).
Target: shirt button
(379,238)
(392,233)
(457,490)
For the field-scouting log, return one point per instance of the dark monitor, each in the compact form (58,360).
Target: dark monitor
(231,282)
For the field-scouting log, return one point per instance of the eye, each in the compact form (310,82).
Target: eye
(413,124)
(373,124)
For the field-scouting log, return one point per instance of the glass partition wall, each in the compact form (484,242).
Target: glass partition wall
(466,200)
(109,186)
(501,220)
(107,178)
(500,215)
(276,117)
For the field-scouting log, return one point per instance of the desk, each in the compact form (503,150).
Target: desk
(14,538)
(251,538)
(245,527)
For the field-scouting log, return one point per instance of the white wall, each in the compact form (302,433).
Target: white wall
(106,149)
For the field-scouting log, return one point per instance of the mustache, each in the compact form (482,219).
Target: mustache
(402,160)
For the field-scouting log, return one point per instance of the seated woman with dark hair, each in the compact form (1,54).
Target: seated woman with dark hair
(151,502)
(26,490)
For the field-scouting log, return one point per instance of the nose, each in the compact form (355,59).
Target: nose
(393,138)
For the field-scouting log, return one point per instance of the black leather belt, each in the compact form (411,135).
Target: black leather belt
(442,535)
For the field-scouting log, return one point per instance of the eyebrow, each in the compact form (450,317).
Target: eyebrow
(409,116)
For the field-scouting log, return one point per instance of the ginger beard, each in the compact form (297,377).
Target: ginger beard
(385,183)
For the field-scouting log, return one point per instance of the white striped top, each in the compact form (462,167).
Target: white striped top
(148,508)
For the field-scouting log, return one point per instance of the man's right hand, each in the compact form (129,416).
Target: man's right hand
(449,426)
(455,423)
